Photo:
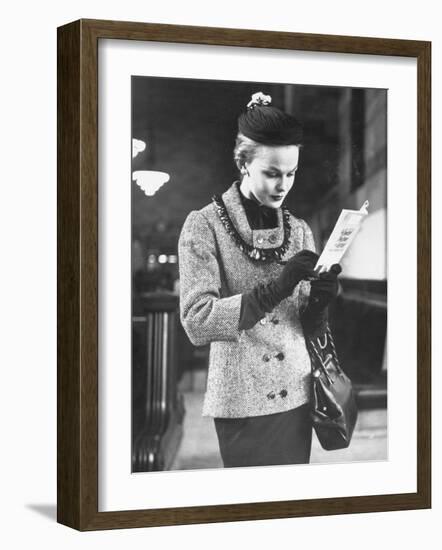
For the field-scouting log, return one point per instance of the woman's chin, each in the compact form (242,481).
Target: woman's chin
(274,202)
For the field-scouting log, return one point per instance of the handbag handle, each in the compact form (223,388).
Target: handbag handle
(327,338)
(321,362)
(333,349)
(322,346)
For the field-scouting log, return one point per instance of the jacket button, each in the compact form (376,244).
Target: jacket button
(275,321)
(266,358)
(272,239)
(271,395)
(263,321)
(283,393)
(280,356)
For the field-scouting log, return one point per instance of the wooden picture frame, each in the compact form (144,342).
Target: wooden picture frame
(77,223)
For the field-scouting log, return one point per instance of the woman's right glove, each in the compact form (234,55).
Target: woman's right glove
(299,267)
(265,297)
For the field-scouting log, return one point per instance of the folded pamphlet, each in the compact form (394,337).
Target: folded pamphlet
(341,237)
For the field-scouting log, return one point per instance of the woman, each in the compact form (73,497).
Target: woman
(245,264)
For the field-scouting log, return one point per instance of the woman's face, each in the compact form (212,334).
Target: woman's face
(271,173)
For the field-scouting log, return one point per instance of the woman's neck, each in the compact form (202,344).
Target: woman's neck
(245,190)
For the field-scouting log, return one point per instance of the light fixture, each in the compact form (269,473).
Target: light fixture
(150,181)
(138,146)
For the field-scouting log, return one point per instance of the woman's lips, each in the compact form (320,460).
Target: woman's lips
(277,197)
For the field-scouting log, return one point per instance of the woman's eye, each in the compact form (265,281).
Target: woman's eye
(276,175)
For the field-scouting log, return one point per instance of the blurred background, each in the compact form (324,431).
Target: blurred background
(183,137)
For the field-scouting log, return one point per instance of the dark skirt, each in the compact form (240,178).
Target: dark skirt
(281,438)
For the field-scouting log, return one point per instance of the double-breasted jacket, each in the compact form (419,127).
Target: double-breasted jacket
(254,372)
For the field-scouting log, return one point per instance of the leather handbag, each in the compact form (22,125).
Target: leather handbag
(334,411)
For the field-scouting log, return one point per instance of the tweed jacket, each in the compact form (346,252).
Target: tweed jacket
(262,370)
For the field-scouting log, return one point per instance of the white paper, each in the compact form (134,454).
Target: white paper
(343,233)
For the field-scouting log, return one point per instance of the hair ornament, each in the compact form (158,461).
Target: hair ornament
(259,99)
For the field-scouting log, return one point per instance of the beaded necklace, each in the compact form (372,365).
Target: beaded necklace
(254,253)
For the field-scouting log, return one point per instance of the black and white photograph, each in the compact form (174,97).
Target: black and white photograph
(202,207)
(259,274)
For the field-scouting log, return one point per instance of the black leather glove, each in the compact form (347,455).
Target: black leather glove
(265,297)
(299,267)
(324,289)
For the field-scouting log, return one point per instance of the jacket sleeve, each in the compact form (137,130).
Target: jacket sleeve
(205,315)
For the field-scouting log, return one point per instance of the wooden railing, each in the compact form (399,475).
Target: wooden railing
(157,408)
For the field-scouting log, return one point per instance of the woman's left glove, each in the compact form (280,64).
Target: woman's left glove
(324,289)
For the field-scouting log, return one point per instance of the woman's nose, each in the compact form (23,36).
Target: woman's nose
(283,184)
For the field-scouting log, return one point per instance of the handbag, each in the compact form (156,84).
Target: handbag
(334,411)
